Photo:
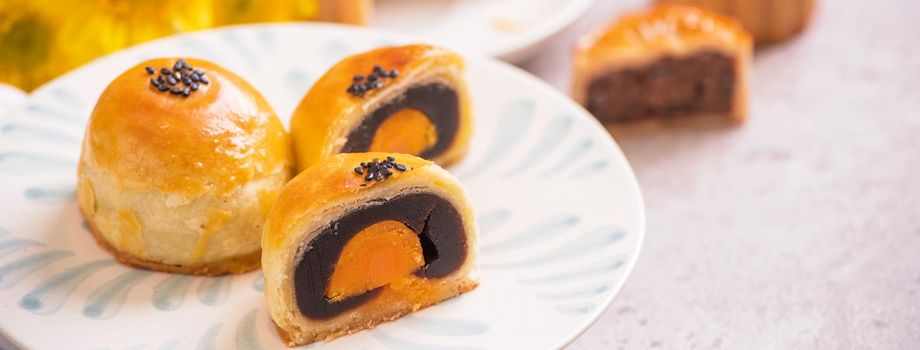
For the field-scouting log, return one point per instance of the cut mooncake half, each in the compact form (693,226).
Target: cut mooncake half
(408,99)
(363,238)
(668,65)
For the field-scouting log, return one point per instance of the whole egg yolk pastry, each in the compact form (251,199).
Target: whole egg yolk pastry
(181,162)
(408,99)
(363,238)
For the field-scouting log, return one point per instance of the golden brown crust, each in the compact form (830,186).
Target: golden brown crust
(327,112)
(767,21)
(328,181)
(152,140)
(233,265)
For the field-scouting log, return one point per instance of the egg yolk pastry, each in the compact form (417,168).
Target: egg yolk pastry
(181,162)
(363,238)
(670,64)
(404,99)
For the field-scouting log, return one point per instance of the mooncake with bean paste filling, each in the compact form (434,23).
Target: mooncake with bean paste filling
(363,238)
(668,65)
(408,99)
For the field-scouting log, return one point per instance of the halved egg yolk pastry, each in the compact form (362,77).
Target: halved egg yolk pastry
(403,99)
(181,162)
(363,238)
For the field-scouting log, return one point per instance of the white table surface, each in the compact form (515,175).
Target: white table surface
(799,230)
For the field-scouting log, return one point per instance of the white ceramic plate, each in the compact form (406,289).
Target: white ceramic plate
(507,29)
(10,98)
(560,213)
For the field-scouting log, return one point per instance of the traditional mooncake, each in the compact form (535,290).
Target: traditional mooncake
(181,162)
(767,21)
(403,99)
(670,64)
(362,238)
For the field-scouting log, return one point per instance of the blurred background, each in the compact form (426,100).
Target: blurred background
(798,229)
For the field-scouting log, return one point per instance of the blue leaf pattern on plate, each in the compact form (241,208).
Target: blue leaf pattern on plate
(15,271)
(214,290)
(51,294)
(511,128)
(106,300)
(552,137)
(169,294)
(15,244)
(208,341)
(246,337)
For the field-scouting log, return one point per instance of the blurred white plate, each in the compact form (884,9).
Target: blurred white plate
(507,29)
(10,98)
(559,210)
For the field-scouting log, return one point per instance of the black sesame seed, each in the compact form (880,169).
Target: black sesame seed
(194,87)
(400,167)
(204,79)
(199,72)
(186,92)
(378,176)
(357,77)
(369,176)
(171,80)
(154,82)
(372,77)
(363,165)
(359,170)
(165,71)
(175,91)
(391,158)
(378,70)
(149,70)
(394,73)
(162,87)
(186,81)
(194,77)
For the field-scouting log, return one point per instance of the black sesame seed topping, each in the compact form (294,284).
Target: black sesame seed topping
(183,79)
(378,170)
(360,85)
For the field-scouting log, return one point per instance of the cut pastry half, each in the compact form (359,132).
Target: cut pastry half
(408,99)
(363,238)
